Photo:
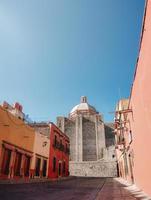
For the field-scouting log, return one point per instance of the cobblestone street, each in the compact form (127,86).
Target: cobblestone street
(70,189)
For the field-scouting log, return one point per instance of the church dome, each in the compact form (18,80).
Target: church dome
(83,108)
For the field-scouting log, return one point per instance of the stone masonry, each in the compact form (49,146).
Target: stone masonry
(92,151)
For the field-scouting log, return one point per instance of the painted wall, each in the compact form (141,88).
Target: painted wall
(20,137)
(15,131)
(140,102)
(41,150)
(61,156)
(124,151)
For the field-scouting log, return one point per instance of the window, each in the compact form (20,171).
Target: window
(54,164)
(130,137)
(61,146)
(55,141)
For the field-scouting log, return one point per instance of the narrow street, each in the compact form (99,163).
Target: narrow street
(70,189)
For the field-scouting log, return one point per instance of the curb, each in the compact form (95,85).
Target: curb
(36,180)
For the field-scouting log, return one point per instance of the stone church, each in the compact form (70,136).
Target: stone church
(92,150)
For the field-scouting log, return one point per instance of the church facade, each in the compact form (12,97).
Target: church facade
(92,150)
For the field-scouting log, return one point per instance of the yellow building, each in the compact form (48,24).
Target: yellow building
(16,143)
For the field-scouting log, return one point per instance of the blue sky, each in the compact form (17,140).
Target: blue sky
(54,51)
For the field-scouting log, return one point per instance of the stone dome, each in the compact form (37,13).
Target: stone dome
(83,107)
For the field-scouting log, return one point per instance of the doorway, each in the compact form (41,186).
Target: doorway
(59,170)
(44,169)
(6,161)
(17,164)
(27,166)
(38,162)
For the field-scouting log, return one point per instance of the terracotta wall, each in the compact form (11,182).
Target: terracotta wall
(18,137)
(140,102)
(15,131)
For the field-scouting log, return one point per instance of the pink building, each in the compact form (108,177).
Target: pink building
(134,121)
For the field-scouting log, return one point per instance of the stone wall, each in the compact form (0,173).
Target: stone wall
(109,153)
(69,130)
(89,140)
(93,169)
(100,138)
(60,123)
(109,135)
(92,150)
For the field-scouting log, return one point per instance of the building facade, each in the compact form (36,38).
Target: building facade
(31,150)
(59,153)
(16,144)
(138,115)
(92,151)
(123,138)
(41,149)
(51,151)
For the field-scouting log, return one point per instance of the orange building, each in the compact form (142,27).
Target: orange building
(134,121)
(16,143)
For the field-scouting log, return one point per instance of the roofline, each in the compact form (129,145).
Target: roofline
(14,120)
(47,124)
(34,124)
(59,130)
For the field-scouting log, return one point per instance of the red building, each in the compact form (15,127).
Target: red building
(59,153)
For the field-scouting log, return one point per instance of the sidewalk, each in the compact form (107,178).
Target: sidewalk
(118,189)
(35,180)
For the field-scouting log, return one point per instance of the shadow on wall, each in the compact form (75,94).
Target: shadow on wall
(109,135)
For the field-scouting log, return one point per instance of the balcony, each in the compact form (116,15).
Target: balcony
(60,146)
(56,144)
